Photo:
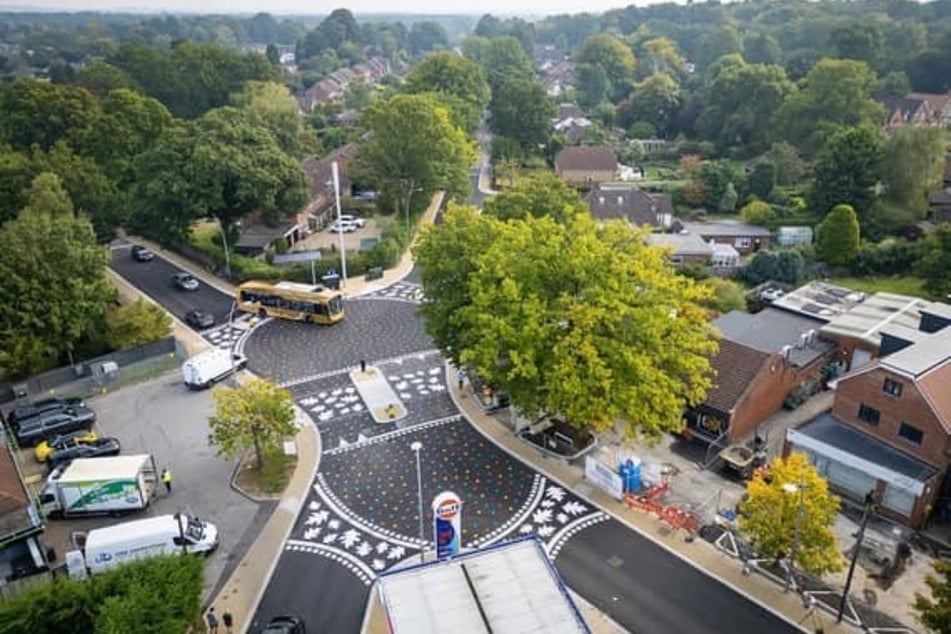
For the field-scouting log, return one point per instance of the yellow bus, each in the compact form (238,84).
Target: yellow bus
(289,300)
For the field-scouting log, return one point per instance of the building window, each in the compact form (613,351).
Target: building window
(892,387)
(911,434)
(869,414)
(742,243)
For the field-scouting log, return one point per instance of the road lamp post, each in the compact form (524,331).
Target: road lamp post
(866,511)
(417,447)
(224,245)
(794,551)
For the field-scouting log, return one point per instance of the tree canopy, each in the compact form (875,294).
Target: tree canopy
(520,110)
(450,74)
(257,414)
(848,170)
(934,612)
(837,236)
(570,319)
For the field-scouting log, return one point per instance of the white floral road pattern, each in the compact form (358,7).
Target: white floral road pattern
(400,291)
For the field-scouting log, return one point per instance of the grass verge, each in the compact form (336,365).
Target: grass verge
(271,479)
(899,284)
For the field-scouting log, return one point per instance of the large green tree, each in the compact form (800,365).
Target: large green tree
(224,165)
(793,506)
(912,165)
(838,236)
(572,319)
(272,105)
(835,94)
(499,57)
(256,415)
(521,110)
(449,74)
(426,36)
(614,57)
(414,146)
(848,170)
(337,29)
(55,289)
(42,113)
(934,267)
(539,195)
(655,101)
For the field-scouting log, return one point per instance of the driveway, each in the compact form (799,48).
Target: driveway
(154,279)
(165,419)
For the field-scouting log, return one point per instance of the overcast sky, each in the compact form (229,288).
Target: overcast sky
(532,7)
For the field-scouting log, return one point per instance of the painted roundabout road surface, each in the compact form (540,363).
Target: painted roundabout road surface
(361,517)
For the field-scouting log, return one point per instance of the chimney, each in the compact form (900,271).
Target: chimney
(785,352)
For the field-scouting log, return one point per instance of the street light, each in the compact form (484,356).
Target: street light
(417,447)
(794,551)
(866,511)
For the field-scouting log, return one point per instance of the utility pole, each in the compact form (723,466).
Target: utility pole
(794,552)
(417,447)
(866,511)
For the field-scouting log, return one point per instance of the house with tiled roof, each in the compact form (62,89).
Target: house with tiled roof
(743,237)
(319,175)
(889,430)
(586,166)
(630,203)
(763,359)
(21,553)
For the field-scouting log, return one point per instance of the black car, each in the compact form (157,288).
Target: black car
(36,429)
(185,282)
(285,625)
(23,412)
(95,449)
(199,319)
(141,254)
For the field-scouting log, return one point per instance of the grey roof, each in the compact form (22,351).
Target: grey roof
(258,236)
(770,330)
(681,243)
(820,300)
(629,203)
(882,312)
(826,428)
(925,355)
(725,228)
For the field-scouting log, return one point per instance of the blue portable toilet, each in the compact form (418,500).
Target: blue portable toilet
(630,472)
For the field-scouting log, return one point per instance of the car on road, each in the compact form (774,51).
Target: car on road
(95,449)
(359,222)
(185,282)
(33,431)
(23,412)
(142,254)
(342,226)
(285,625)
(199,319)
(45,448)
(771,294)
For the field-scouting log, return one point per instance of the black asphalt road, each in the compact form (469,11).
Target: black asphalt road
(646,589)
(319,585)
(154,279)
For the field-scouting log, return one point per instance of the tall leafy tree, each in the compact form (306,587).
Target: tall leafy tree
(725,40)
(272,105)
(41,113)
(659,55)
(614,57)
(537,196)
(499,57)
(912,165)
(55,289)
(934,612)
(655,101)
(848,170)
(547,311)
(413,145)
(336,29)
(835,94)
(257,414)
(426,36)
(934,267)
(224,165)
(861,41)
(522,111)
(136,324)
(794,495)
(837,236)
(450,74)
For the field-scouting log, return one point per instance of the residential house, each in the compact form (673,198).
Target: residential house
(940,201)
(685,249)
(743,237)
(333,87)
(763,359)
(652,146)
(909,110)
(940,106)
(319,174)
(575,129)
(257,237)
(586,166)
(889,431)
(631,204)
(21,553)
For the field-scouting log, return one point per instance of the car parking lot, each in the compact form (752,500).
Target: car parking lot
(154,278)
(164,418)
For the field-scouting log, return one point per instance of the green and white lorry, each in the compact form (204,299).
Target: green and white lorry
(100,486)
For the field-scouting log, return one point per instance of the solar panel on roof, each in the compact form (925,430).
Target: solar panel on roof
(812,308)
(841,293)
(828,300)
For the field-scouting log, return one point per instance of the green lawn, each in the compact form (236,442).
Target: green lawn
(902,285)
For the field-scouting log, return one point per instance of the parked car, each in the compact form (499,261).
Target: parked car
(23,412)
(359,222)
(95,449)
(199,319)
(33,431)
(285,625)
(142,254)
(45,448)
(185,282)
(771,294)
(342,226)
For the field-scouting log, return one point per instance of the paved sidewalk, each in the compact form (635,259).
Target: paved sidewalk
(698,552)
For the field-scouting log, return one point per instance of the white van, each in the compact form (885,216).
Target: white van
(211,366)
(106,548)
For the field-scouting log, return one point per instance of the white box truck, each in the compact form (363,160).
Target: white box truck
(98,486)
(204,369)
(103,549)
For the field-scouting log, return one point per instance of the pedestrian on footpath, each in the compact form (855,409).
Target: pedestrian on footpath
(212,619)
(461,377)
(167,480)
(363,366)
(228,621)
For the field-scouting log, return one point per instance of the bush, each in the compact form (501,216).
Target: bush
(887,257)
(137,324)
(786,266)
(726,295)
